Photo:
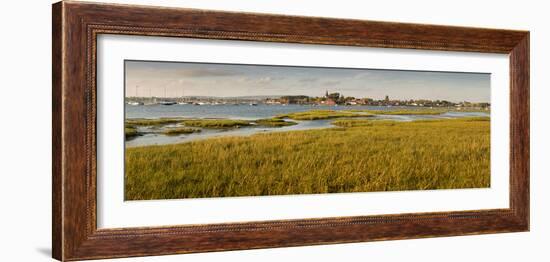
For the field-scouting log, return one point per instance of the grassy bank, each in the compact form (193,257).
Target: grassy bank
(216,123)
(402,111)
(180,130)
(152,122)
(130,131)
(356,157)
(274,122)
(372,122)
(208,123)
(321,114)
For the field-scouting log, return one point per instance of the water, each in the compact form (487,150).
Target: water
(233,111)
(248,112)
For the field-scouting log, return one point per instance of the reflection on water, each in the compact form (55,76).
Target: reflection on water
(151,136)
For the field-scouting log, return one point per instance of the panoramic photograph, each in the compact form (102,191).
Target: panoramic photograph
(204,130)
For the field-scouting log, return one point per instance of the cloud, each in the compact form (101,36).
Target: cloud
(244,79)
(308,80)
(330,82)
(362,75)
(259,80)
(234,80)
(205,72)
(264,80)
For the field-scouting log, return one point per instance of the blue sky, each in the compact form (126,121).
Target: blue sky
(226,80)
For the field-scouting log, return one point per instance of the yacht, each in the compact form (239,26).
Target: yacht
(166,103)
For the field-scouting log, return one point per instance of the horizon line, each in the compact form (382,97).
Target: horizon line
(279,96)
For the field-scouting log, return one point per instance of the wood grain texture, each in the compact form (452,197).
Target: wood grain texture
(76,26)
(519,129)
(57,191)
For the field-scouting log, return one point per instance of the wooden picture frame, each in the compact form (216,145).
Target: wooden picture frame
(76,26)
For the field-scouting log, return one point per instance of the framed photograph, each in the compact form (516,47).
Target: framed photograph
(181,130)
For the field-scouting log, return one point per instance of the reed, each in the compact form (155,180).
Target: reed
(216,123)
(402,111)
(321,114)
(152,122)
(180,130)
(274,122)
(130,131)
(360,156)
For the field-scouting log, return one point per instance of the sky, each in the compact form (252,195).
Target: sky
(176,79)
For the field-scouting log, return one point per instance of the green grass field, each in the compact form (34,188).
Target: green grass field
(359,155)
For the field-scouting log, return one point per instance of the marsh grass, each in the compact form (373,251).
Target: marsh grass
(180,130)
(320,114)
(402,112)
(371,122)
(466,109)
(274,122)
(277,121)
(130,131)
(355,157)
(361,122)
(152,122)
(216,123)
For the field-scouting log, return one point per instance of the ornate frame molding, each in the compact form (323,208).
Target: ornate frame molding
(76,26)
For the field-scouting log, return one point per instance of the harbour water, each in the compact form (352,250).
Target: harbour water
(248,112)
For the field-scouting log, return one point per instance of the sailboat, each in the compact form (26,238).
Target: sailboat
(166,102)
(181,99)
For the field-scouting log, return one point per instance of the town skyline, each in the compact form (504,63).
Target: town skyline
(181,79)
